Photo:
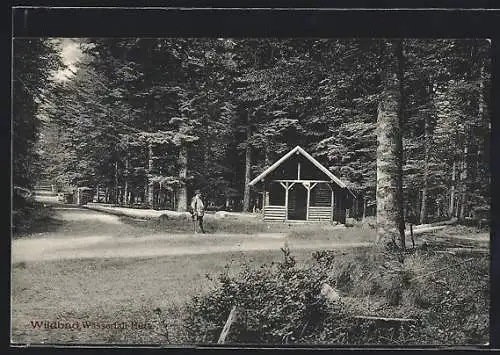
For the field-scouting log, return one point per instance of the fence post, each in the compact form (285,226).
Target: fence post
(411,234)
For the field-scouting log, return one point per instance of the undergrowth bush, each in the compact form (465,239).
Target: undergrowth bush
(278,303)
(455,301)
(446,295)
(27,215)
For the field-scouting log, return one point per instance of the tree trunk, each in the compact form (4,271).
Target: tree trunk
(423,204)
(182,202)
(157,196)
(267,161)
(482,137)
(390,219)
(150,188)
(451,209)
(464,178)
(248,165)
(364,207)
(125,185)
(116,197)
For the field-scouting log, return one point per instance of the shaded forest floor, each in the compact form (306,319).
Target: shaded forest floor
(108,290)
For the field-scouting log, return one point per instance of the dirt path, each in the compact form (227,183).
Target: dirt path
(111,247)
(82,233)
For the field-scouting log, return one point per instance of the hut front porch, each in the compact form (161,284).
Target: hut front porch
(302,200)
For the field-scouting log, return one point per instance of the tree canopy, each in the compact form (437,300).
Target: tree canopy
(152,119)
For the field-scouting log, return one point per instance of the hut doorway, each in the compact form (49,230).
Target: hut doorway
(297,202)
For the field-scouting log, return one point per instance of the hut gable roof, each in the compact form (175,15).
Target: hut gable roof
(299,150)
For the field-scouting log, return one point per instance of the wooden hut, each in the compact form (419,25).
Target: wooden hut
(298,187)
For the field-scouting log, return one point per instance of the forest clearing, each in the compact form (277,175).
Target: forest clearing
(251,190)
(77,281)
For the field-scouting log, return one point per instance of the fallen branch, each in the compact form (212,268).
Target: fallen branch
(225,331)
(303,329)
(437,224)
(387,319)
(465,239)
(451,252)
(468,250)
(448,222)
(444,243)
(424,230)
(453,241)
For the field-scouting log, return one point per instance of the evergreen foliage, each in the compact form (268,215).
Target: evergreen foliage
(153,119)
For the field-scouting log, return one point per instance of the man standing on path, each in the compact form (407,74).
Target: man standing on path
(198,209)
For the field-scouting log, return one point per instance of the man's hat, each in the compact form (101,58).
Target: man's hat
(197,192)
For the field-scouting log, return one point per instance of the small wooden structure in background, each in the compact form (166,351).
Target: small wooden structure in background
(298,187)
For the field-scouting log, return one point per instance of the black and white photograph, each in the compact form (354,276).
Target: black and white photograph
(251,190)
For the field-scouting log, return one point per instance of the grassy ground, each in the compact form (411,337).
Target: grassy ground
(108,291)
(453,300)
(361,232)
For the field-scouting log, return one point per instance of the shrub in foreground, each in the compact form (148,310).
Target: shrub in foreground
(280,303)
(28,214)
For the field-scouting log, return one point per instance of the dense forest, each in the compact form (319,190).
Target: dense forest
(143,123)
(146,121)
